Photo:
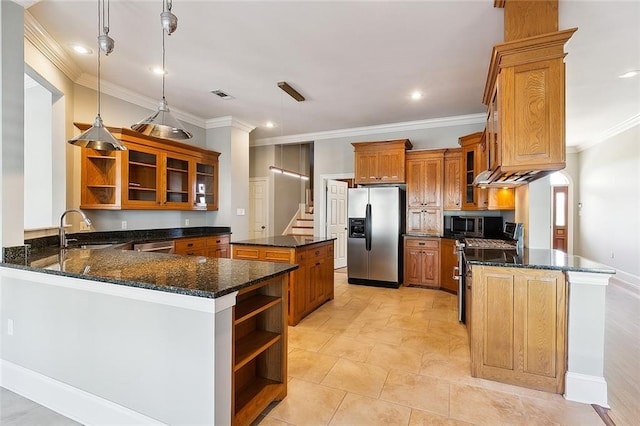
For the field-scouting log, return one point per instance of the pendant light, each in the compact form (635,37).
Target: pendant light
(97,136)
(162,124)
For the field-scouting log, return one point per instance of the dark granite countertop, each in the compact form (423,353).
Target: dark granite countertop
(534,259)
(284,241)
(188,275)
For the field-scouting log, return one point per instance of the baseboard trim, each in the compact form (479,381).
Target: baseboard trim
(586,389)
(67,400)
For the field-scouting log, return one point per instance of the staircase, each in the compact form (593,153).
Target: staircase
(302,223)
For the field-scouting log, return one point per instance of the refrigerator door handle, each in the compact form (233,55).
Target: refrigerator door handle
(367,228)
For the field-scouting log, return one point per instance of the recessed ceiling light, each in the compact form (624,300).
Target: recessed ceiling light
(80,49)
(270,124)
(629,74)
(158,70)
(416,95)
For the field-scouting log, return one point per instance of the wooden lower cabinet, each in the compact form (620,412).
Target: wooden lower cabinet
(518,326)
(448,261)
(310,285)
(216,246)
(259,349)
(421,261)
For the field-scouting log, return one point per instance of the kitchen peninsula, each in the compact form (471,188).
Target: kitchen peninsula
(146,338)
(312,284)
(536,319)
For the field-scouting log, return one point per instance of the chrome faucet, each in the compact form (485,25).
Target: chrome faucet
(63,235)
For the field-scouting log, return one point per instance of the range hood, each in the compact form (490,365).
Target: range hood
(499,179)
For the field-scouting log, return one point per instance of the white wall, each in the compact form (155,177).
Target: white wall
(609,191)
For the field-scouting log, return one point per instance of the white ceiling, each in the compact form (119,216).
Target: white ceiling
(355,62)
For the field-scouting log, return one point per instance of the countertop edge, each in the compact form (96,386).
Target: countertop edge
(546,267)
(147,286)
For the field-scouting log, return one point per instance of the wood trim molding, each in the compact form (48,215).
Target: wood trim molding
(228,121)
(499,3)
(35,34)
(524,51)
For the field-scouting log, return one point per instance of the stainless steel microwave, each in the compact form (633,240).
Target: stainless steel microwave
(477,226)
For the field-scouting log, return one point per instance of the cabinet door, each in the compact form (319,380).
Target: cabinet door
(416,183)
(430,267)
(532,115)
(391,166)
(501,199)
(366,167)
(299,284)
(432,221)
(206,184)
(142,185)
(412,266)
(448,260)
(452,183)
(520,319)
(178,178)
(473,197)
(415,224)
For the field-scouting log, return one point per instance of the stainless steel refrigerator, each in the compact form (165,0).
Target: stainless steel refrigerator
(376,224)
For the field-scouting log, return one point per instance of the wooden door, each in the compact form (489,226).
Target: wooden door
(448,260)
(258,208)
(416,183)
(560,217)
(412,265)
(366,167)
(178,173)
(337,220)
(432,196)
(452,183)
(430,267)
(391,166)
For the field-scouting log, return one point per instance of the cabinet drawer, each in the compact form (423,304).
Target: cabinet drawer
(189,244)
(422,242)
(275,255)
(246,253)
(218,240)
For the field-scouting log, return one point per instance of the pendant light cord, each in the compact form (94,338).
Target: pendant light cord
(99,29)
(164,71)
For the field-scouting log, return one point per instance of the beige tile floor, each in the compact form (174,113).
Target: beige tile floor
(376,356)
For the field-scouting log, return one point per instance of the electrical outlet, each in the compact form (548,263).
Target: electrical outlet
(10,327)
(124,224)
(240,212)
(186,222)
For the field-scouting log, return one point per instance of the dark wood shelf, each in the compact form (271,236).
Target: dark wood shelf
(253,306)
(253,345)
(101,186)
(142,188)
(171,169)
(100,157)
(134,163)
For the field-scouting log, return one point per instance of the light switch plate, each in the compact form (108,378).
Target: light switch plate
(240,212)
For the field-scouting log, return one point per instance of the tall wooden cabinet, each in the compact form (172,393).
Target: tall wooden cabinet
(518,326)
(152,173)
(448,261)
(424,192)
(380,162)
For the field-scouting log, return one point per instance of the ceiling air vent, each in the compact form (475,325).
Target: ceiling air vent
(222,94)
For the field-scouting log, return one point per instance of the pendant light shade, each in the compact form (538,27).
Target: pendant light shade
(97,136)
(162,124)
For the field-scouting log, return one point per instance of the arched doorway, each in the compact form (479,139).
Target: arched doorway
(560,237)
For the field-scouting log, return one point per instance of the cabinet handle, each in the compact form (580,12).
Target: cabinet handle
(190,245)
(317,252)
(217,241)
(420,244)
(317,263)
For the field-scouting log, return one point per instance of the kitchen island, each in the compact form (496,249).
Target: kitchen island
(120,337)
(312,284)
(536,319)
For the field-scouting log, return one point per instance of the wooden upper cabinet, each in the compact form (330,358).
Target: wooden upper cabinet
(380,162)
(525,97)
(527,18)
(151,174)
(452,185)
(473,162)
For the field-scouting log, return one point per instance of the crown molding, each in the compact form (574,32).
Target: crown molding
(609,133)
(459,120)
(35,34)
(229,121)
(91,82)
